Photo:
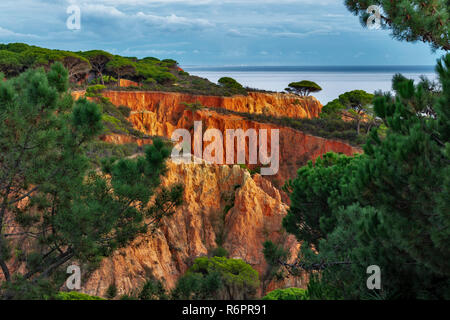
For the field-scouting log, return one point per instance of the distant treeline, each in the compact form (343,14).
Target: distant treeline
(101,67)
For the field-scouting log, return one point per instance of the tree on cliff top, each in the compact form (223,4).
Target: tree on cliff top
(10,63)
(76,65)
(410,20)
(54,206)
(357,104)
(98,59)
(232,85)
(303,88)
(121,66)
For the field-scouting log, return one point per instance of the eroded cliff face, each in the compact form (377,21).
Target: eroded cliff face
(199,225)
(275,104)
(205,219)
(160,114)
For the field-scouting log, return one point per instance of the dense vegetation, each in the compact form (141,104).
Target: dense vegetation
(217,278)
(48,185)
(100,67)
(388,207)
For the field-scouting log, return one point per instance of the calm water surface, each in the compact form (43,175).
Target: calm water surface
(333,80)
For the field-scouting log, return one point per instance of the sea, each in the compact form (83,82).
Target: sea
(334,80)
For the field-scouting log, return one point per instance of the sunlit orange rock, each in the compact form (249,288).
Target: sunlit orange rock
(198,226)
(160,114)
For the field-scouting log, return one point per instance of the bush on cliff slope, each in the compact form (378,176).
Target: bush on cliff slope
(287,294)
(217,278)
(73,295)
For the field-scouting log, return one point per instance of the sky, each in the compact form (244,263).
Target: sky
(211,32)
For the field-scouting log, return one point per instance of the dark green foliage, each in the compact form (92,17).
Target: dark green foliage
(196,286)
(22,289)
(10,63)
(126,111)
(303,88)
(98,60)
(121,66)
(315,194)
(232,85)
(217,278)
(410,20)
(273,253)
(43,136)
(358,106)
(287,294)
(153,289)
(220,252)
(388,207)
(111,292)
(99,150)
(332,110)
(418,98)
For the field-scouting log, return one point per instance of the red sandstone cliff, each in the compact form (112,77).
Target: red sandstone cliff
(257,209)
(255,216)
(159,114)
(275,104)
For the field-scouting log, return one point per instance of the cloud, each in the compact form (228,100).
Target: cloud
(206,31)
(8,34)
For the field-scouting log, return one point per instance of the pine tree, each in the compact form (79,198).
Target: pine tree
(388,207)
(54,206)
(410,20)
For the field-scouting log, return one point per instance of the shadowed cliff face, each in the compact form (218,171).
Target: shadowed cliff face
(160,114)
(199,225)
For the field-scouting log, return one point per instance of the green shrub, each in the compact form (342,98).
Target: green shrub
(73,295)
(217,278)
(287,294)
(193,106)
(153,289)
(220,252)
(95,90)
(111,292)
(232,85)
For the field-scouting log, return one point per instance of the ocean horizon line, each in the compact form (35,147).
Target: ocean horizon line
(329,68)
